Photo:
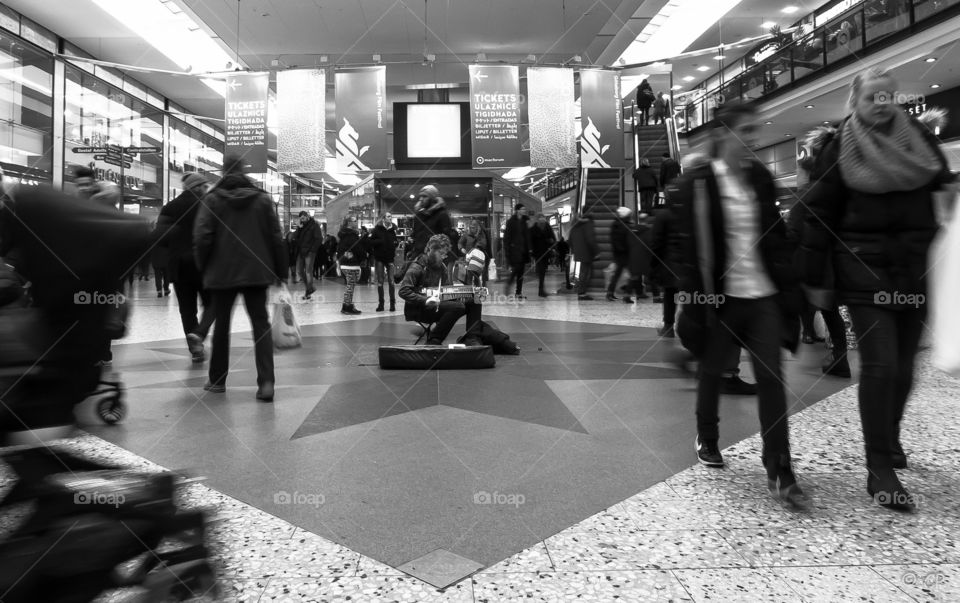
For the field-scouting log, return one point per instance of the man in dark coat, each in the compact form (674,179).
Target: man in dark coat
(669,170)
(583,244)
(638,242)
(431,218)
(542,241)
(239,250)
(175,230)
(383,246)
(645,180)
(563,250)
(516,245)
(309,240)
(620,241)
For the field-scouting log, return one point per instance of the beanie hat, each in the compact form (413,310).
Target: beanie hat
(192,180)
(430,191)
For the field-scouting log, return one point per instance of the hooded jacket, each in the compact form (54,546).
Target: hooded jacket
(309,237)
(175,230)
(583,240)
(383,243)
(429,219)
(874,243)
(348,239)
(236,238)
(619,237)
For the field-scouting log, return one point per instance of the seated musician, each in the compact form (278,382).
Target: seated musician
(429,271)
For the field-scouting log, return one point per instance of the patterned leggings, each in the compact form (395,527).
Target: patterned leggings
(351,274)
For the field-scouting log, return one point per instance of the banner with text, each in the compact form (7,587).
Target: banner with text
(246,119)
(302,123)
(361,119)
(495,107)
(553,112)
(601,119)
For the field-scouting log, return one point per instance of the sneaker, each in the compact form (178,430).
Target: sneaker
(627,300)
(214,389)
(611,297)
(104,363)
(666,331)
(735,386)
(707,453)
(195,345)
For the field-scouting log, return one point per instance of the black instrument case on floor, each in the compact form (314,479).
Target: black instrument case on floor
(436,357)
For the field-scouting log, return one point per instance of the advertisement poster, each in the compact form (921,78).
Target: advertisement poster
(302,120)
(553,111)
(361,119)
(601,117)
(495,112)
(246,119)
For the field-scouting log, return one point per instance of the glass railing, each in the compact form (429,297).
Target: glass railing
(839,40)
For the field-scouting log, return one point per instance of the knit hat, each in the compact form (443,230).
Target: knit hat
(193,180)
(430,191)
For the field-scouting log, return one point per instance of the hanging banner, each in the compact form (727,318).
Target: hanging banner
(302,123)
(361,119)
(601,142)
(495,106)
(246,119)
(552,109)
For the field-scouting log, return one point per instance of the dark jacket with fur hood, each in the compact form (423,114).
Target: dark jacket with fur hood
(430,219)
(875,243)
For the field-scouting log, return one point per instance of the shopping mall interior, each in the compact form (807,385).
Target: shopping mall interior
(568,471)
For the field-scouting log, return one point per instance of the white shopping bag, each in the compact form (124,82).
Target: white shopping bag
(944,291)
(286,331)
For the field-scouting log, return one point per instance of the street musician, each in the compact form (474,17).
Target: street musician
(429,274)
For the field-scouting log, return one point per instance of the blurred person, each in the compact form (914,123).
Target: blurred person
(239,250)
(159,258)
(563,251)
(872,210)
(735,267)
(645,180)
(430,217)
(308,242)
(330,246)
(669,170)
(661,108)
(542,242)
(383,244)
(516,246)
(429,270)
(645,98)
(638,257)
(365,264)
(175,234)
(290,242)
(583,244)
(620,242)
(351,255)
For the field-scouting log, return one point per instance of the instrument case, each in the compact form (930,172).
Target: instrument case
(436,357)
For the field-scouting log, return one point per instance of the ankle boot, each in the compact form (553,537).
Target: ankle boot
(885,487)
(349,309)
(393,303)
(898,458)
(782,483)
(380,298)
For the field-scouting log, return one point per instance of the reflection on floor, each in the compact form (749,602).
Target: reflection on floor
(568,463)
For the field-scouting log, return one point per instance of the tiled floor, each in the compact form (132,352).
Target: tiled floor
(699,535)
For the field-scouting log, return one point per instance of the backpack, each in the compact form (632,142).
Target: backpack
(495,338)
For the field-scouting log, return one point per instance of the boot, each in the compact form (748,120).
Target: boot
(349,309)
(393,301)
(898,458)
(782,483)
(380,298)
(885,487)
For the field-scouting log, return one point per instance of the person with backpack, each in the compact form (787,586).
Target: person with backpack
(645,98)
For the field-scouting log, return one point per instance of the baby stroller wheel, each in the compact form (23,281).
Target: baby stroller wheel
(112,409)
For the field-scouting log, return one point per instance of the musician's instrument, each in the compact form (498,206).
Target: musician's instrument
(458,292)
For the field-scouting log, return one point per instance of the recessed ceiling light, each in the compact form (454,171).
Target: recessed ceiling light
(476,185)
(789,10)
(788,135)
(767,123)
(826,123)
(931,59)
(719,57)
(703,68)
(768,24)
(934,85)
(677,87)
(808,106)
(689,78)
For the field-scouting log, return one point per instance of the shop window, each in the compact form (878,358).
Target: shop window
(191,150)
(885,17)
(926,8)
(26,111)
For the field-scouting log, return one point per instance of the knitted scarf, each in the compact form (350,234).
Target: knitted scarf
(899,159)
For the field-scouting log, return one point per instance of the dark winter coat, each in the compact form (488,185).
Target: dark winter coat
(774,250)
(874,242)
(349,240)
(175,230)
(645,178)
(662,272)
(309,237)
(639,240)
(542,240)
(429,220)
(583,240)
(383,243)
(516,241)
(236,237)
(620,240)
(669,171)
(645,95)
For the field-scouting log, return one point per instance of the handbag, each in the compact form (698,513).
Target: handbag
(944,290)
(285,330)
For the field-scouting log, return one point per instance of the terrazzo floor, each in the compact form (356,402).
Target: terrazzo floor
(700,535)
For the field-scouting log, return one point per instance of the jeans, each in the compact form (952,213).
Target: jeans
(385,271)
(888,341)
(446,314)
(755,325)
(620,264)
(160,279)
(542,264)
(648,197)
(305,269)
(586,273)
(255,300)
(188,286)
(516,274)
(351,275)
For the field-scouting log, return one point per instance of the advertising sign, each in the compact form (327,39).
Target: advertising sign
(302,120)
(495,110)
(552,114)
(361,119)
(246,119)
(601,117)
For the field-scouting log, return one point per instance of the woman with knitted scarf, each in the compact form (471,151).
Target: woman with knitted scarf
(872,216)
